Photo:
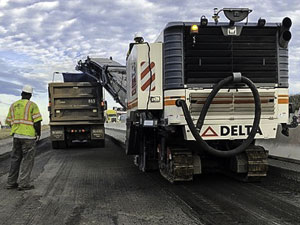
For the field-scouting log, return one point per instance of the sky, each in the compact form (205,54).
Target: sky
(38,38)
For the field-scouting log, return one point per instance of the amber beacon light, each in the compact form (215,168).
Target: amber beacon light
(194,29)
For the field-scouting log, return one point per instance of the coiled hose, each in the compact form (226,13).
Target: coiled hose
(194,131)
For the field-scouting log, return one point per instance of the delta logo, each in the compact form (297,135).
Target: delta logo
(233,130)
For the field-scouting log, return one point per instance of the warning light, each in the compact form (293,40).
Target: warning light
(83,130)
(72,131)
(194,29)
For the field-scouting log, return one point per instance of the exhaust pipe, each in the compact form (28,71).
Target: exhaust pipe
(286,23)
(285,38)
(285,34)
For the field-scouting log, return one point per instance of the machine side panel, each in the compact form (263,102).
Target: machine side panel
(154,97)
(131,71)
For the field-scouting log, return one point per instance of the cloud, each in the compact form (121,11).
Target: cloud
(9,88)
(5,101)
(38,38)
(44,5)
(3,3)
(8,99)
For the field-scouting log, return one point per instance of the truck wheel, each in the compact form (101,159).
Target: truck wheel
(58,144)
(98,143)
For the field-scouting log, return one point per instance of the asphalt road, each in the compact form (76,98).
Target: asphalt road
(102,186)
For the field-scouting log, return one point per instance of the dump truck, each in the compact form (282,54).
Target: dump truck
(76,110)
(203,92)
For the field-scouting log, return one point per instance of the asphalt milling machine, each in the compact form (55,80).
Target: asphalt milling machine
(202,93)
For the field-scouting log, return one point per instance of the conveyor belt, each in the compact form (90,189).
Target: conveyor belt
(111,75)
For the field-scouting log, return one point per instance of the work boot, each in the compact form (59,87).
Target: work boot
(11,186)
(25,188)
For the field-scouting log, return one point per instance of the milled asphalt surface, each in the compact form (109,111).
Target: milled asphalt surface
(83,185)
(89,186)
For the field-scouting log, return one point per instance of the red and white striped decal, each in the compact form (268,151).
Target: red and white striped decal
(145,76)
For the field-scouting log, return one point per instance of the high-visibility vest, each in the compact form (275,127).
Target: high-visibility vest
(21,117)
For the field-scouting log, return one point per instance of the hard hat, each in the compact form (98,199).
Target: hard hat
(27,89)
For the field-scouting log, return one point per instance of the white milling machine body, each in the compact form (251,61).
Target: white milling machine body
(169,82)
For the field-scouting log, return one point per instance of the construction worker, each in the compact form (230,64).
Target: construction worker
(24,118)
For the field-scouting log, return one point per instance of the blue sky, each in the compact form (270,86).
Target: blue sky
(38,38)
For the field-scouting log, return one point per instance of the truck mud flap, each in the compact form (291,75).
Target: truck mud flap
(132,140)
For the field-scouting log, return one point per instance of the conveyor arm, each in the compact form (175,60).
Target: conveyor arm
(109,73)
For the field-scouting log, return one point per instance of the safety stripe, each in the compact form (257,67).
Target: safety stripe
(263,101)
(283,101)
(145,85)
(132,104)
(36,115)
(12,111)
(22,122)
(132,101)
(236,97)
(172,101)
(27,107)
(170,97)
(147,70)
(146,79)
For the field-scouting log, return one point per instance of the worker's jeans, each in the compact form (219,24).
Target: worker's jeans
(22,159)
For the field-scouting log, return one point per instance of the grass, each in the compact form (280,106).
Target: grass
(4,133)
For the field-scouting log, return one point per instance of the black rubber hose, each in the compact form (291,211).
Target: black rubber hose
(203,144)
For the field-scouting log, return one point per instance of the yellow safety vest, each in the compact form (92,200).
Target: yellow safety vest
(21,117)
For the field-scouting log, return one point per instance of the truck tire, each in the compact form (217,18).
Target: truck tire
(98,143)
(59,144)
